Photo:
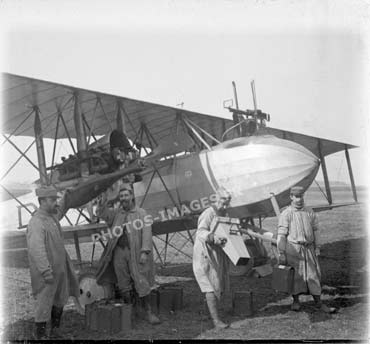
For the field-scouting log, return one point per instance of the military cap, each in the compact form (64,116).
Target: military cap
(46,191)
(125,186)
(297,191)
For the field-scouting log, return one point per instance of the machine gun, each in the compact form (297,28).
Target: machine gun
(247,122)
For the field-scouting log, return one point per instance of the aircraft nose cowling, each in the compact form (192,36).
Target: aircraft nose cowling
(253,168)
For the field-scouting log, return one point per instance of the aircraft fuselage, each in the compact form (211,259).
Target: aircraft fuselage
(250,168)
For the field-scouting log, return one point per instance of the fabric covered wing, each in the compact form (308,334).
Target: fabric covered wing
(20,95)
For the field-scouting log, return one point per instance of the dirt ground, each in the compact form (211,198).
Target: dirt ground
(344,267)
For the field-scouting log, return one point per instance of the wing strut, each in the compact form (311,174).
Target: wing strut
(203,131)
(189,126)
(353,186)
(16,162)
(67,132)
(275,204)
(120,120)
(87,127)
(54,148)
(40,148)
(22,153)
(325,174)
(81,137)
(19,125)
(14,197)
(92,123)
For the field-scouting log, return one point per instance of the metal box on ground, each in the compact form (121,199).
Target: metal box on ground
(234,248)
(170,298)
(283,278)
(108,316)
(242,303)
(125,317)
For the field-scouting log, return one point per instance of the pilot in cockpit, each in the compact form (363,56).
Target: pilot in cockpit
(120,149)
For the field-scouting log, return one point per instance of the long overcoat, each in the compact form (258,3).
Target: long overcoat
(210,263)
(139,234)
(300,227)
(47,255)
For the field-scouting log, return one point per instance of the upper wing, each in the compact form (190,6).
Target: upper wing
(22,94)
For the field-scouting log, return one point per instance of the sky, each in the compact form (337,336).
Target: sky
(309,60)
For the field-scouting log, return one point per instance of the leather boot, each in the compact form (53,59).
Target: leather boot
(322,307)
(126,296)
(40,330)
(296,306)
(56,315)
(212,306)
(151,317)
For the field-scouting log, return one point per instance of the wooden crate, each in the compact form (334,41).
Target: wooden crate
(242,303)
(170,299)
(108,316)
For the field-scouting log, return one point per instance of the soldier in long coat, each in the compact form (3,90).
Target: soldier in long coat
(299,247)
(52,275)
(127,259)
(210,263)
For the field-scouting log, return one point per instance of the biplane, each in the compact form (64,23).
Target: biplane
(180,156)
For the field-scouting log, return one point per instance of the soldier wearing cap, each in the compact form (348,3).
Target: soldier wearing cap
(52,276)
(210,263)
(127,260)
(299,247)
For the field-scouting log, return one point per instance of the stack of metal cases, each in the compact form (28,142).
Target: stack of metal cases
(108,316)
(283,278)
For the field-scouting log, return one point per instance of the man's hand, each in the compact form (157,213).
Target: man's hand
(102,199)
(317,251)
(220,241)
(143,258)
(282,259)
(210,238)
(49,278)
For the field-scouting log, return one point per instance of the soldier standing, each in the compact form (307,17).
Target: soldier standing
(210,263)
(298,245)
(52,276)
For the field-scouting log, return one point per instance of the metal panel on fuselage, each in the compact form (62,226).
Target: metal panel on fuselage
(185,180)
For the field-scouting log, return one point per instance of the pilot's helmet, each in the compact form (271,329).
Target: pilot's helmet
(118,139)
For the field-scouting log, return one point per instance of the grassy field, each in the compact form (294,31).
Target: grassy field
(344,266)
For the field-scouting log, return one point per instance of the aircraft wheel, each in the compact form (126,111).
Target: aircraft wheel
(90,291)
